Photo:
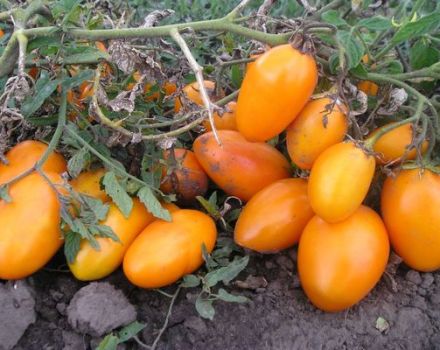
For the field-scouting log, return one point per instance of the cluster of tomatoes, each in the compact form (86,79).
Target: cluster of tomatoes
(343,246)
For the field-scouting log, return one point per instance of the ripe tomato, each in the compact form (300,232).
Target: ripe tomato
(91,264)
(370,88)
(100,46)
(411,212)
(339,181)
(24,155)
(166,251)
(192,92)
(239,167)
(33,72)
(339,264)
(89,183)
(2,33)
(392,146)
(85,90)
(30,226)
(184,175)
(226,121)
(315,129)
(275,89)
(167,88)
(274,218)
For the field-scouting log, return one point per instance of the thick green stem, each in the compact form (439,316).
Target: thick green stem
(9,57)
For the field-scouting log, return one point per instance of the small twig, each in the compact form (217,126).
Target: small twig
(237,10)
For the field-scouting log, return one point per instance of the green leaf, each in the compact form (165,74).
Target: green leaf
(98,208)
(110,342)
(359,71)
(152,204)
(104,231)
(333,17)
(375,23)
(130,331)
(352,48)
(209,261)
(333,63)
(236,76)
(190,281)
(423,54)
(210,205)
(228,273)
(71,246)
(393,67)
(117,193)
(204,308)
(78,161)
(4,193)
(44,41)
(231,298)
(72,82)
(414,29)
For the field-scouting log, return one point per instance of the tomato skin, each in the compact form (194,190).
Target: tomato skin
(30,234)
(392,146)
(24,155)
(91,264)
(166,251)
(274,218)
(410,206)
(88,183)
(226,121)
(370,88)
(340,263)
(275,88)
(2,33)
(309,135)
(339,181)
(192,92)
(239,167)
(188,179)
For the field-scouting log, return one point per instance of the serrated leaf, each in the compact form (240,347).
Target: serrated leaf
(375,23)
(228,273)
(117,193)
(190,281)
(152,204)
(204,308)
(130,331)
(419,27)
(71,246)
(422,54)
(78,162)
(4,193)
(209,261)
(210,205)
(110,342)
(231,298)
(333,17)
(99,209)
(104,231)
(352,48)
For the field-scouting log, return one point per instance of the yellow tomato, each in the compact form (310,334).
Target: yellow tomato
(89,183)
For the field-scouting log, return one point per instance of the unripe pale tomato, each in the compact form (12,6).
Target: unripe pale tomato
(239,167)
(91,264)
(226,121)
(370,88)
(411,212)
(274,218)
(315,129)
(187,178)
(24,155)
(166,251)
(192,92)
(274,90)
(89,183)
(338,264)
(30,226)
(392,146)
(339,181)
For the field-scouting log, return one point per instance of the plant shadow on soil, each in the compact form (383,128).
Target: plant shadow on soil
(278,316)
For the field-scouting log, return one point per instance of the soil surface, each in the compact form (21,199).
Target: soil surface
(402,312)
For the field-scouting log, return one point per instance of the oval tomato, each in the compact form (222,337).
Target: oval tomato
(91,264)
(411,212)
(166,251)
(274,90)
(184,175)
(30,226)
(392,146)
(24,155)
(338,264)
(239,167)
(370,88)
(226,121)
(89,183)
(321,124)
(339,181)
(192,92)
(274,218)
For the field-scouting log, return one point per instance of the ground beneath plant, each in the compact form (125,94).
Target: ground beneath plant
(402,312)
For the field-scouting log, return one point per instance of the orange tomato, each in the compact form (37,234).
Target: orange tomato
(24,155)
(275,89)
(338,264)
(339,181)
(30,226)
(370,88)
(74,100)
(89,183)
(226,121)
(91,264)
(85,90)
(187,178)
(411,212)
(314,130)
(2,33)
(274,218)
(239,167)
(392,146)
(33,72)
(167,88)
(100,46)
(192,92)
(166,251)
